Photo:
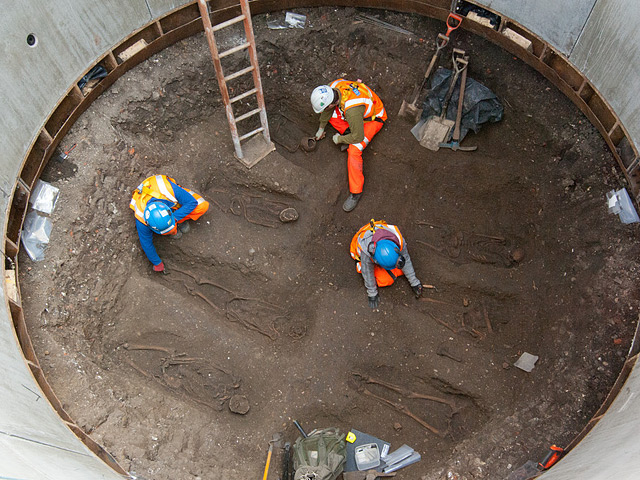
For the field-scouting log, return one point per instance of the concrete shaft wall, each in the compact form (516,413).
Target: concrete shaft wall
(600,37)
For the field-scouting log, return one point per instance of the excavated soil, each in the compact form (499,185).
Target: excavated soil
(272,316)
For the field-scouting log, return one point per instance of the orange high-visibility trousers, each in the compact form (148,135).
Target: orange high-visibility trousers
(383,279)
(354,152)
(197,212)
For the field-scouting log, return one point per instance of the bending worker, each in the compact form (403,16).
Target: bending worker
(162,206)
(382,256)
(357,113)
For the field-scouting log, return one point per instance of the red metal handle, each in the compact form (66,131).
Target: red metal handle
(551,458)
(453,21)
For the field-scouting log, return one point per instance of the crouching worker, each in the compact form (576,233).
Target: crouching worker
(381,255)
(162,206)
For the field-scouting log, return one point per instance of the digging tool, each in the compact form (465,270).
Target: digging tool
(286,461)
(276,440)
(64,155)
(454,144)
(551,458)
(299,427)
(453,21)
(437,129)
(410,109)
(389,26)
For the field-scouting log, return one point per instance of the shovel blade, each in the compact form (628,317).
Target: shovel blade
(434,132)
(409,111)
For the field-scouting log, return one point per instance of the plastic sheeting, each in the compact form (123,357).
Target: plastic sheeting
(480,104)
(44,197)
(35,235)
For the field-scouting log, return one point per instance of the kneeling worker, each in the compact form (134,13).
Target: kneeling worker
(382,256)
(357,113)
(162,206)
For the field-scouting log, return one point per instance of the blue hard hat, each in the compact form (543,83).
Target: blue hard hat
(159,217)
(386,254)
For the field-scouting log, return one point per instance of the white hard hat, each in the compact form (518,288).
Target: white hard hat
(321,97)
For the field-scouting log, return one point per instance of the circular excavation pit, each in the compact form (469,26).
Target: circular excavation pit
(271,318)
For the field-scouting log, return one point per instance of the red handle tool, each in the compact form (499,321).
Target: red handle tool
(551,458)
(453,21)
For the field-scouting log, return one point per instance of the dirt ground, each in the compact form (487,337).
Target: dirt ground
(276,313)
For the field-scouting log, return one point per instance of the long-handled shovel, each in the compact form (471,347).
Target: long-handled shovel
(276,441)
(436,129)
(410,109)
(455,139)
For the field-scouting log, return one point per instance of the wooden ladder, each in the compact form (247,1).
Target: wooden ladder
(257,146)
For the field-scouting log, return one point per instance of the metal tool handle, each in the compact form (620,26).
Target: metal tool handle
(441,42)
(299,427)
(453,21)
(551,457)
(463,83)
(459,64)
(286,460)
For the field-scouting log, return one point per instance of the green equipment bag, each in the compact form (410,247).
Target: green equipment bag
(320,456)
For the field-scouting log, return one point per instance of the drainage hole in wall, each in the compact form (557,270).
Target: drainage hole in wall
(32,40)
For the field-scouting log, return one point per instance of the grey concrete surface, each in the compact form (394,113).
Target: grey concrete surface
(34,443)
(601,38)
(160,7)
(608,52)
(71,35)
(559,23)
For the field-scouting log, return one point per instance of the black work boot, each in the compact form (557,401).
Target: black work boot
(184,227)
(351,201)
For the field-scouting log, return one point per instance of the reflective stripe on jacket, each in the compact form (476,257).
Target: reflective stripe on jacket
(157,187)
(363,237)
(353,94)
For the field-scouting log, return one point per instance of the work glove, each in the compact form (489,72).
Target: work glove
(374,302)
(335,138)
(159,267)
(417,290)
(320,134)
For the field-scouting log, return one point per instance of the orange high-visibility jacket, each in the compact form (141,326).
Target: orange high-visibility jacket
(353,94)
(362,238)
(359,250)
(157,186)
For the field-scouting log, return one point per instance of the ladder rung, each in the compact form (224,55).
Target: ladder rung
(235,49)
(251,134)
(243,95)
(237,74)
(219,26)
(248,114)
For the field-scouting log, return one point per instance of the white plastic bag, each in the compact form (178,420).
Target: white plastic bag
(44,197)
(35,235)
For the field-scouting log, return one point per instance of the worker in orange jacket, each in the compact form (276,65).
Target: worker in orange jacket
(163,207)
(357,113)
(382,256)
